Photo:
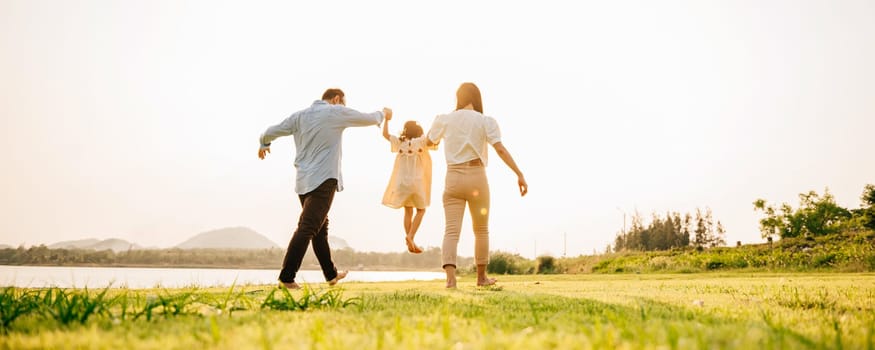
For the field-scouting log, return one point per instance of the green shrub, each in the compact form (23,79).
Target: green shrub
(547,265)
(509,264)
(824,260)
(714,265)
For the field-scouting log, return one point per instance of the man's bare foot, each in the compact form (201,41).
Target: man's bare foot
(451,283)
(290,285)
(412,247)
(486,282)
(340,275)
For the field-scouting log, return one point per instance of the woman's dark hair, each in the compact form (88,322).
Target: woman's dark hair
(411,131)
(468,93)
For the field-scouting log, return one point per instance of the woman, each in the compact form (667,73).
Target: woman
(467,134)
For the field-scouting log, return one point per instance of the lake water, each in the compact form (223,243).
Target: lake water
(136,277)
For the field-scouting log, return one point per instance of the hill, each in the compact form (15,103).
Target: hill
(77,244)
(337,242)
(845,252)
(113,244)
(228,238)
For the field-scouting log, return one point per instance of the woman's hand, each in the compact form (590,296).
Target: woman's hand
(524,187)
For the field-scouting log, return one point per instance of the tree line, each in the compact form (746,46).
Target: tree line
(671,231)
(816,215)
(217,258)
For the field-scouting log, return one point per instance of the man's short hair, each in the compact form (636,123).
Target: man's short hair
(331,93)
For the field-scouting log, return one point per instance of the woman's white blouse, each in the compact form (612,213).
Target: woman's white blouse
(466,134)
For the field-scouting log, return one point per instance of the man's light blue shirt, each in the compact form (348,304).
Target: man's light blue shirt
(318,132)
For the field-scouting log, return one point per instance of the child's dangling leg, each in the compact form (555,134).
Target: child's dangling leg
(411,225)
(408,218)
(414,226)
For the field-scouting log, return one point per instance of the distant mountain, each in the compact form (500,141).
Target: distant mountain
(4,246)
(228,238)
(78,244)
(337,242)
(224,238)
(116,245)
(113,244)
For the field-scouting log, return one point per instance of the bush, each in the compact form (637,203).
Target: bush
(508,264)
(547,265)
(824,260)
(714,265)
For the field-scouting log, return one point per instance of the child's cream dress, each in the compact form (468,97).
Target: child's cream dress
(410,184)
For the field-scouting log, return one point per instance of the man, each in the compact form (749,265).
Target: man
(317,131)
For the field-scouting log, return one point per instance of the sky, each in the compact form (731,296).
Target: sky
(140,120)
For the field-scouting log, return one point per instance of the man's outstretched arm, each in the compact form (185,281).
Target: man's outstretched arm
(353,118)
(286,128)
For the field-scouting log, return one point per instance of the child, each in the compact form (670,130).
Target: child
(410,184)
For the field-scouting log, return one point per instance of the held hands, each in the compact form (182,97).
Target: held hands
(262,152)
(524,187)
(387,113)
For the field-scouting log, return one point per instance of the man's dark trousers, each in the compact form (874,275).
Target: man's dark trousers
(312,227)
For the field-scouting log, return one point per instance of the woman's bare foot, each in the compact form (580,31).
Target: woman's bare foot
(451,276)
(340,275)
(412,247)
(486,282)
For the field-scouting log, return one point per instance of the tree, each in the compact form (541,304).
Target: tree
(820,214)
(719,236)
(868,197)
(701,230)
(619,242)
(685,234)
(636,238)
(816,216)
(710,235)
(659,235)
(867,209)
(668,232)
(772,224)
(705,233)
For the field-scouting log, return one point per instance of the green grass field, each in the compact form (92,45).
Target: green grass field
(631,311)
